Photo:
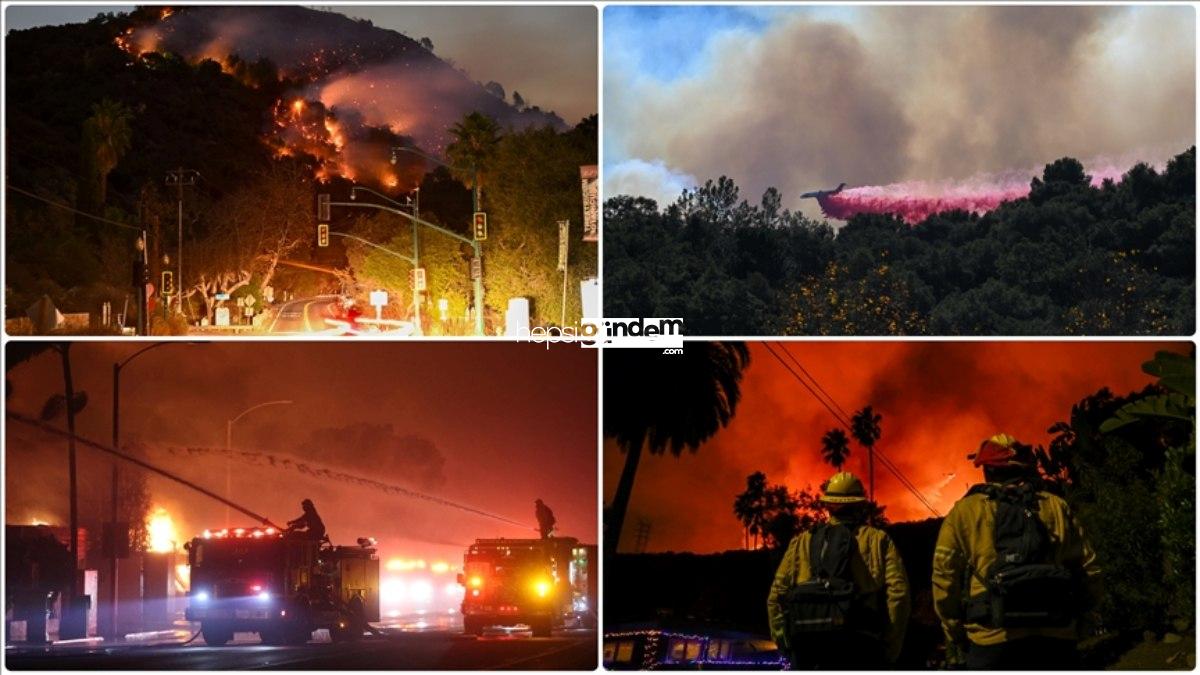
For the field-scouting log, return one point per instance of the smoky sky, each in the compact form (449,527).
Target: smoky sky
(547,53)
(938,400)
(487,426)
(805,98)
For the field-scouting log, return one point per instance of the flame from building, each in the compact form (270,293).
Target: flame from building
(161,534)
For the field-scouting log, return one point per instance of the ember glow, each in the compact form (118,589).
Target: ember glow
(355,90)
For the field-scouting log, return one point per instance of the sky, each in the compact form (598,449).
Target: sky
(938,401)
(803,98)
(490,426)
(548,53)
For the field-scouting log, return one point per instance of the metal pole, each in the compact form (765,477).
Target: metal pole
(69,386)
(563,322)
(112,561)
(478,253)
(416,292)
(179,252)
(228,473)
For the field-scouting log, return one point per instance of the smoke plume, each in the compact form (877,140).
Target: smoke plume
(910,100)
(355,90)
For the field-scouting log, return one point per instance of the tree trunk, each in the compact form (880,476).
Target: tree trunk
(616,514)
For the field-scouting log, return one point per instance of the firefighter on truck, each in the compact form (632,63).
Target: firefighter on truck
(283,587)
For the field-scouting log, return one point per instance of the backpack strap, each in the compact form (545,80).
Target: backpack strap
(829,551)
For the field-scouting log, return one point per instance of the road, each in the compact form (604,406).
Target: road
(303,315)
(567,650)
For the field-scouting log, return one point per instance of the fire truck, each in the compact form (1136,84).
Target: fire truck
(281,586)
(540,583)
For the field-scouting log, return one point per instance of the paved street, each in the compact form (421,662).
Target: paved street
(303,315)
(566,650)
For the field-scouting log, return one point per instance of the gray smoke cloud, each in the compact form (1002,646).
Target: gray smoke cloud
(908,93)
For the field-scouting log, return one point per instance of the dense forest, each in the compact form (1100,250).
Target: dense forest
(1117,259)
(92,130)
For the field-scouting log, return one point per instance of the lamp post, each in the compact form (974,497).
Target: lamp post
(474,169)
(229,446)
(116,444)
(416,256)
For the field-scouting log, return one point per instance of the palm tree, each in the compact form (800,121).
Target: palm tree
(750,506)
(661,403)
(835,447)
(865,427)
(475,140)
(107,136)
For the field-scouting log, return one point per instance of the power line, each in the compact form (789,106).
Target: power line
(832,406)
(72,209)
(842,418)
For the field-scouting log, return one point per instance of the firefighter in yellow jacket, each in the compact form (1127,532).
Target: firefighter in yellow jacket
(850,613)
(1013,576)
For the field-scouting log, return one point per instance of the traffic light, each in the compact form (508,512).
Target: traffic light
(323,235)
(418,279)
(323,208)
(168,282)
(480,226)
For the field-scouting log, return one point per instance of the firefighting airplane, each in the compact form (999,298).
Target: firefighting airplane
(817,194)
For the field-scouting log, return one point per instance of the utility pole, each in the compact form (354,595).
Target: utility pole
(181,178)
(477,259)
(564,235)
(642,536)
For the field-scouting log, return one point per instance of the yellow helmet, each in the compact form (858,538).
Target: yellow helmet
(843,488)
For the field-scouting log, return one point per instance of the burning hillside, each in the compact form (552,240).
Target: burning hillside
(349,91)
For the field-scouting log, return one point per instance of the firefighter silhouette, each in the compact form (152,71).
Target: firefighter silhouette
(309,524)
(545,518)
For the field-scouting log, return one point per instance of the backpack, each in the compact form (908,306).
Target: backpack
(829,602)
(1025,588)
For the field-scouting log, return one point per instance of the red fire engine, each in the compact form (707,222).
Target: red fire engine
(280,586)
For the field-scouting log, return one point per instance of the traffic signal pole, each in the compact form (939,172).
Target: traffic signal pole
(449,233)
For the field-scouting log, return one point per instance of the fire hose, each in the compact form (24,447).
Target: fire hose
(24,419)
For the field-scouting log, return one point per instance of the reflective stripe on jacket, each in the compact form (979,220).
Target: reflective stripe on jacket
(967,536)
(878,568)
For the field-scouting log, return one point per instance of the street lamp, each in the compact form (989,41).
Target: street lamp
(474,169)
(116,444)
(229,446)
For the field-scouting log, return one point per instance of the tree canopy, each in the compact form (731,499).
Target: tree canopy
(1117,259)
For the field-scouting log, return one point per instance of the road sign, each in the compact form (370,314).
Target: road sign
(417,277)
(168,282)
(479,227)
(323,235)
(221,316)
(221,296)
(250,301)
(379,298)
(476,268)
(588,176)
(323,208)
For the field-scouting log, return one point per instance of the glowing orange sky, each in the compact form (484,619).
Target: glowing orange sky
(938,400)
